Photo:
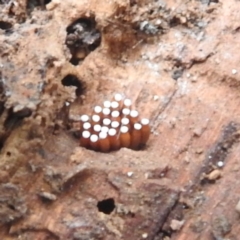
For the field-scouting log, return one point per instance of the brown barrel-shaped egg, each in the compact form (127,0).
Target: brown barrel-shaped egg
(104,143)
(96,129)
(124,137)
(106,122)
(126,112)
(98,111)
(145,131)
(94,142)
(115,106)
(115,116)
(105,129)
(125,122)
(136,136)
(119,98)
(96,119)
(127,103)
(85,139)
(116,125)
(113,139)
(106,104)
(133,117)
(83,119)
(87,126)
(106,113)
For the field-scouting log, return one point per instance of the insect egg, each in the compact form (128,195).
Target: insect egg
(85,139)
(107,104)
(126,111)
(145,132)
(96,118)
(125,121)
(106,112)
(115,116)
(94,142)
(84,118)
(133,116)
(118,97)
(97,128)
(104,129)
(124,137)
(86,126)
(113,139)
(127,103)
(115,124)
(104,143)
(98,109)
(136,136)
(114,105)
(106,121)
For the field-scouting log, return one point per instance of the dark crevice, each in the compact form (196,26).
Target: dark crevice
(175,21)
(72,80)
(14,119)
(82,38)
(31,4)
(5,25)
(106,206)
(219,152)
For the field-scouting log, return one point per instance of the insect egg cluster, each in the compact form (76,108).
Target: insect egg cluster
(113,126)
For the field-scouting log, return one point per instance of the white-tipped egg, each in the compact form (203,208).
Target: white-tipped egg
(124,129)
(112,132)
(115,114)
(125,121)
(94,138)
(137,126)
(96,118)
(104,129)
(118,97)
(102,135)
(126,111)
(86,134)
(97,128)
(84,118)
(114,105)
(115,124)
(106,121)
(134,113)
(86,125)
(127,102)
(97,109)
(107,104)
(145,121)
(106,111)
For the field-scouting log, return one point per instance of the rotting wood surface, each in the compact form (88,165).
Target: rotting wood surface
(178,62)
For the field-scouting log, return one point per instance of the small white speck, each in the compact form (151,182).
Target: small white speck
(144,235)
(67,104)
(220,164)
(155,97)
(188,75)
(130,174)
(234,71)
